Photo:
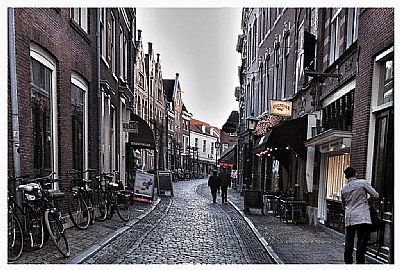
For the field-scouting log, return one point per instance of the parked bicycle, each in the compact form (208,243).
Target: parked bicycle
(83,209)
(117,198)
(39,202)
(15,232)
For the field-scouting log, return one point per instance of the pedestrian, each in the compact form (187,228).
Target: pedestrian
(213,183)
(357,216)
(225,180)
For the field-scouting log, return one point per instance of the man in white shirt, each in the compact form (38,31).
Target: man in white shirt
(357,215)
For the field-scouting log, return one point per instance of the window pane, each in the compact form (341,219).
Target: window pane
(335,176)
(77,107)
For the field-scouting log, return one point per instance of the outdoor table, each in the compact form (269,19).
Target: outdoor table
(292,208)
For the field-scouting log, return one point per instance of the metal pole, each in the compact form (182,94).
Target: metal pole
(14,93)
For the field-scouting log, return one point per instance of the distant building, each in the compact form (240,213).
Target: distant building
(203,138)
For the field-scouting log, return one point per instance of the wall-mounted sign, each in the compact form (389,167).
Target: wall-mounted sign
(282,108)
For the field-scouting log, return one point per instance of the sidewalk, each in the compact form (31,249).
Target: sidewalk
(293,243)
(85,242)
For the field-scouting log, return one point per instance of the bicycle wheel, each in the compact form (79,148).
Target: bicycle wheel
(101,207)
(90,205)
(34,226)
(79,212)
(57,233)
(123,206)
(15,237)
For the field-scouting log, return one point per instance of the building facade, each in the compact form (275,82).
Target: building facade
(318,67)
(203,138)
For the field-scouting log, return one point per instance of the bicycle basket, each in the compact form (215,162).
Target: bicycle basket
(32,191)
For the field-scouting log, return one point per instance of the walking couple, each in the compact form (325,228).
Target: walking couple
(223,180)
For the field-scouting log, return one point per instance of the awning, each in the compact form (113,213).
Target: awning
(140,133)
(289,133)
(229,155)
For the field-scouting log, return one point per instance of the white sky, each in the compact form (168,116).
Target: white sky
(200,45)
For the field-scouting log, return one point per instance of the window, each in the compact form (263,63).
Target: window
(79,122)
(196,142)
(300,57)
(339,114)
(335,35)
(103,32)
(80,16)
(386,80)
(335,176)
(286,46)
(204,146)
(44,110)
(212,148)
(113,44)
(121,53)
(352,26)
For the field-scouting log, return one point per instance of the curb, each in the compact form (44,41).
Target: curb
(265,244)
(86,254)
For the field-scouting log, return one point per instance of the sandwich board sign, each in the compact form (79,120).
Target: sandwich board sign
(144,187)
(165,186)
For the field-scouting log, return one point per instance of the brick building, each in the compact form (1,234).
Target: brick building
(333,69)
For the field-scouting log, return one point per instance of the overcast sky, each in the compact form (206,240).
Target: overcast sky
(200,45)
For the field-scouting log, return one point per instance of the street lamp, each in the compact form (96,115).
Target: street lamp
(217,146)
(251,126)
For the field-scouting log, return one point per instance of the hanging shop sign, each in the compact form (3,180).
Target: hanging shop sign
(281,108)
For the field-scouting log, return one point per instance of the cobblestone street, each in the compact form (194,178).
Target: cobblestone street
(189,229)
(186,228)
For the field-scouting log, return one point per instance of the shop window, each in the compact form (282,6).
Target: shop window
(335,176)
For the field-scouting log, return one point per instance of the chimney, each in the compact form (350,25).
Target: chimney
(158,57)
(139,34)
(150,47)
(177,75)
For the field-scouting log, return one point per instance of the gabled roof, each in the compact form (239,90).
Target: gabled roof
(197,126)
(168,86)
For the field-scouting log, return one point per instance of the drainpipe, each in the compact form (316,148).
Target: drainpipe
(99,104)
(14,93)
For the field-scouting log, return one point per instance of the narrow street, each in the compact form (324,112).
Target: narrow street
(186,228)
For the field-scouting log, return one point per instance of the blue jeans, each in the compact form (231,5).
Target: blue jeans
(362,231)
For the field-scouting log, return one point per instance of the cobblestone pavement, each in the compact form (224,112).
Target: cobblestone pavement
(293,243)
(186,229)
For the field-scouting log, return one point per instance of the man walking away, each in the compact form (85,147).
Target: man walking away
(225,180)
(357,216)
(213,183)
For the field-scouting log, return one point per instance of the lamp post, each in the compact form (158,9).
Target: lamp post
(217,146)
(251,126)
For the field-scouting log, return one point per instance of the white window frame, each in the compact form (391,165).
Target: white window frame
(352,26)
(103,33)
(47,60)
(113,44)
(80,82)
(334,35)
(80,16)
(375,107)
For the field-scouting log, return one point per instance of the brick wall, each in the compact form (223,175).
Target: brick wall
(51,29)
(374,25)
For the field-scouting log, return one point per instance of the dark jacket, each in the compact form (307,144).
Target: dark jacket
(225,178)
(213,181)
